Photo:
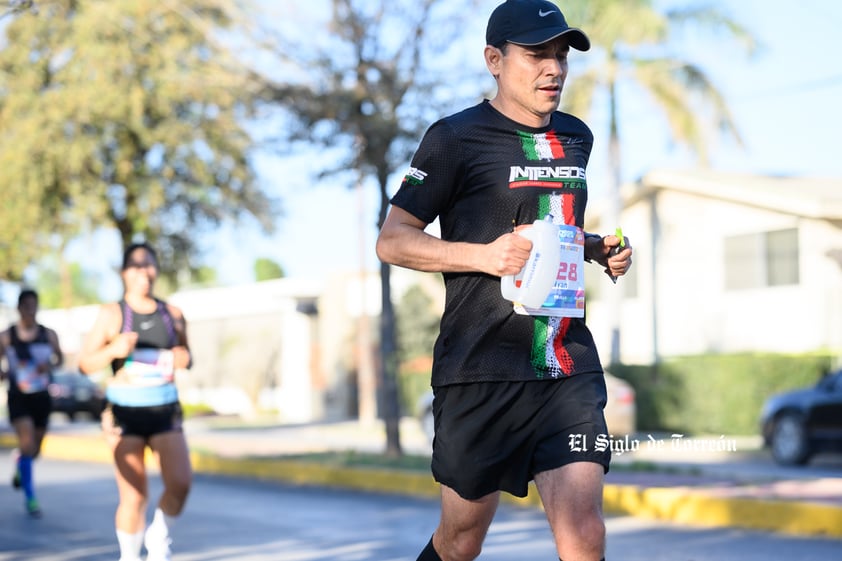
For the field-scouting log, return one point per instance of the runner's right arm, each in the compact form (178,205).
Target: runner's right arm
(403,242)
(104,343)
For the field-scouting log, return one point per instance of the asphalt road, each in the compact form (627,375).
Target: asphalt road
(235,519)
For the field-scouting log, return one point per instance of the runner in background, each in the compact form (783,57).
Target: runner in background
(29,352)
(144,342)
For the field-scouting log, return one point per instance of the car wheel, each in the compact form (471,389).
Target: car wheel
(789,440)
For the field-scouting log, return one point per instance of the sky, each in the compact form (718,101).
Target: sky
(785,101)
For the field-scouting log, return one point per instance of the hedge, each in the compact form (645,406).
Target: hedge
(716,394)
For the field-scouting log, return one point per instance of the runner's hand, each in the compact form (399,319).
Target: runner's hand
(619,258)
(507,254)
(123,345)
(181,357)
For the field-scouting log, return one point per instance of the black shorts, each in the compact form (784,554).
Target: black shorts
(495,436)
(36,405)
(145,422)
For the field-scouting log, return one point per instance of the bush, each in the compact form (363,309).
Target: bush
(413,382)
(715,394)
(196,410)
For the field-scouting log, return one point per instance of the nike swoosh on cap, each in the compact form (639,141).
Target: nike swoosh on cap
(543,14)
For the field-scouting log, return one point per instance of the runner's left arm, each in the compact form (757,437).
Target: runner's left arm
(58,357)
(182,356)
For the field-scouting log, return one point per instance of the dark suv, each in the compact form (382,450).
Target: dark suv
(799,424)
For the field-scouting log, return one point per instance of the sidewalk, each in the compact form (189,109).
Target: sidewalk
(653,476)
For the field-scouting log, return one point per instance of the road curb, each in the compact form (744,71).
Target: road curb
(680,505)
(687,506)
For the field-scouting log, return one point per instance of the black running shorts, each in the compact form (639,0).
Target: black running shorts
(495,436)
(37,406)
(142,421)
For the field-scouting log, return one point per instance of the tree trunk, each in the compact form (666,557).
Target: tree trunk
(388,347)
(389,365)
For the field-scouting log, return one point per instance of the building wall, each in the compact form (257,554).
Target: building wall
(679,263)
(255,347)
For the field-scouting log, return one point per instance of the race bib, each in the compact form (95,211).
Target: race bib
(567,297)
(149,367)
(28,378)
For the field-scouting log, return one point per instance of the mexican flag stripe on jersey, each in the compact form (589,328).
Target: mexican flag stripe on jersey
(539,346)
(543,146)
(549,357)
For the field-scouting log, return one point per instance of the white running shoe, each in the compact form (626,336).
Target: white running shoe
(157,546)
(159,554)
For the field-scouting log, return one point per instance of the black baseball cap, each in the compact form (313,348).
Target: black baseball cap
(529,23)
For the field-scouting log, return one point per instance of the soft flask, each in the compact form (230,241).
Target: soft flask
(531,286)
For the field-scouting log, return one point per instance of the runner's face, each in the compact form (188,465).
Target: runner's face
(531,79)
(28,309)
(140,272)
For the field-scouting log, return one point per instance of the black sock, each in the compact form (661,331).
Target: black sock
(429,553)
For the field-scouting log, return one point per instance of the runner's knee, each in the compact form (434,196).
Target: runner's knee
(177,491)
(462,546)
(583,539)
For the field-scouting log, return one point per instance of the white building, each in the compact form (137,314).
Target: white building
(724,263)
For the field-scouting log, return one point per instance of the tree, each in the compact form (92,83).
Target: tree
(18,6)
(266,269)
(417,323)
(639,55)
(52,281)
(124,115)
(370,93)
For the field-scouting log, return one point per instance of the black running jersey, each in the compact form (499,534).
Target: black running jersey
(482,175)
(22,348)
(154,331)
(25,361)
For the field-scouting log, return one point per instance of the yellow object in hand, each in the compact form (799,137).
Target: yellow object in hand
(619,233)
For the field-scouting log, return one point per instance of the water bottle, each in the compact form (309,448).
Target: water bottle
(531,286)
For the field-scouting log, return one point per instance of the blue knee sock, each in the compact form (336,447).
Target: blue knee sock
(25,467)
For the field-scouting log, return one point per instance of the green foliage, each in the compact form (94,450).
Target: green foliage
(204,276)
(123,115)
(196,410)
(418,327)
(266,269)
(715,394)
(414,380)
(417,323)
(644,56)
(64,286)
